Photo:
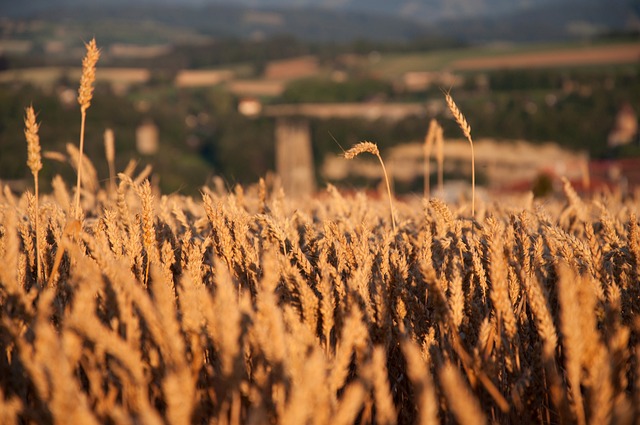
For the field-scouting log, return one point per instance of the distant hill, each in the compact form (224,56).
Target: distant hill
(425,11)
(417,10)
(223,20)
(549,22)
(331,20)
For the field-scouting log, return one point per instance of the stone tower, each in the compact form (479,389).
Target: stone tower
(294,158)
(625,128)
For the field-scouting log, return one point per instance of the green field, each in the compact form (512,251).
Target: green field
(394,65)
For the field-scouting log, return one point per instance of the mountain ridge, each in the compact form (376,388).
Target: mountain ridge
(424,11)
(334,20)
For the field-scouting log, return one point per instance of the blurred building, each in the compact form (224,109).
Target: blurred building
(138,51)
(203,78)
(249,107)
(290,69)
(294,158)
(503,165)
(147,138)
(423,80)
(625,128)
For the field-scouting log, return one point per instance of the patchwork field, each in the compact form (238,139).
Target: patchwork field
(507,56)
(615,54)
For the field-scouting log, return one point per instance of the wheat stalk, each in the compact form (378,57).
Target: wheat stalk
(85,94)
(464,406)
(574,339)
(440,157)
(385,409)
(148,228)
(372,148)
(420,376)
(34,162)
(429,139)
(466,130)
(110,153)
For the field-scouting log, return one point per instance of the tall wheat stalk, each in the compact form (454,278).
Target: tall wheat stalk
(428,145)
(440,157)
(372,148)
(466,129)
(34,162)
(85,94)
(110,153)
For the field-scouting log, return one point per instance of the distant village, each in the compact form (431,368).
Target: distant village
(507,165)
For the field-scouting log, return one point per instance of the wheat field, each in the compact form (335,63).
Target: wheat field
(121,305)
(249,307)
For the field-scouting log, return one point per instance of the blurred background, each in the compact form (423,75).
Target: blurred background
(246,89)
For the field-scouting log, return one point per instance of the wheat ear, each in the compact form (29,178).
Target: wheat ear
(372,148)
(466,129)
(85,94)
(34,162)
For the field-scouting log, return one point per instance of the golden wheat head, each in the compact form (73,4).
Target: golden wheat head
(85,92)
(361,148)
(372,148)
(457,115)
(33,141)
(466,129)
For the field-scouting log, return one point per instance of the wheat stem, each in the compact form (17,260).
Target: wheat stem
(372,148)
(34,162)
(110,153)
(466,129)
(85,94)
(428,145)
(440,158)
